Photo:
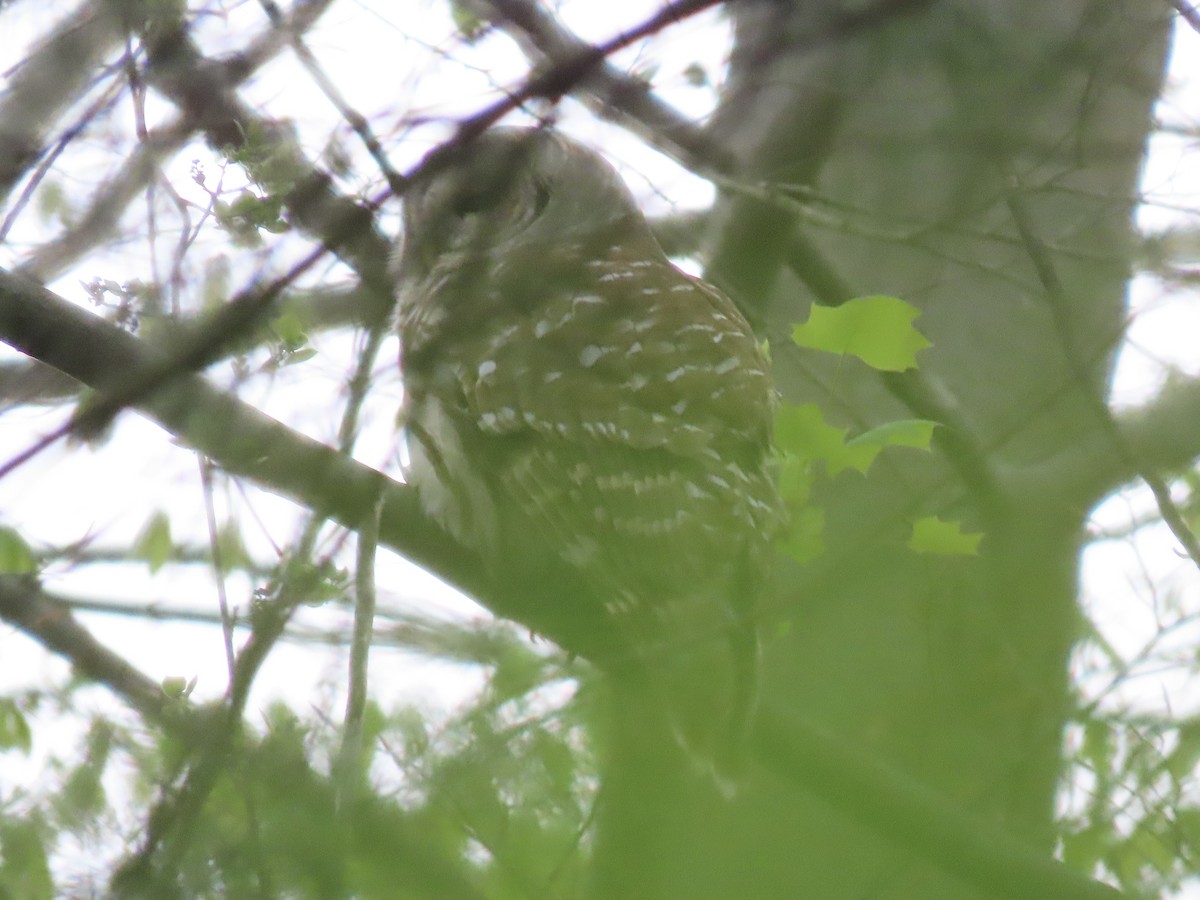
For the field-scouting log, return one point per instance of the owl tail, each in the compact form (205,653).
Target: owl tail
(659,767)
(708,694)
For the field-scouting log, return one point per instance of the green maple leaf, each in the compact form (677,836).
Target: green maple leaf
(878,330)
(932,535)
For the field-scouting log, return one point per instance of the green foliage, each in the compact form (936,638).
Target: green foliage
(916,433)
(804,538)
(267,155)
(127,300)
(1140,822)
(153,543)
(214,289)
(16,556)
(245,216)
(24,862)
(495,797)
(53,204)
(467,20)
(81,799)
(933,536)
(802,432)
(232,548)
(304,582)
(291,346)
(878,330)
(177,687)
(14,727)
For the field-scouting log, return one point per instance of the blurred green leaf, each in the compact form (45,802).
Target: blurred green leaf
(14,727)
(902,433)
(177,687)
(803,431)
(154,543)
(804,538)
(24,867)
(214,289)
(877,329)
(932,535)
(52,203)
(16,556)
(467,20)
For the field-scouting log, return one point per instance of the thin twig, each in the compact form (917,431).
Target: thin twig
(1047,273)
(356,120)
(351,755)
(1188,12)
(214,543)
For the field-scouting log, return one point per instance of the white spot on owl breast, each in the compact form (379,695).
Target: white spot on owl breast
(590,355)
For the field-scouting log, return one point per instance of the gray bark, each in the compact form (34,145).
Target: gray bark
(979,160)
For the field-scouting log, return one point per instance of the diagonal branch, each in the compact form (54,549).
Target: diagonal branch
(913,816)
(51,623)
(48,81)
(241,439)
(608,91)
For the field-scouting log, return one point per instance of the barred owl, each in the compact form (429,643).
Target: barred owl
(593,422)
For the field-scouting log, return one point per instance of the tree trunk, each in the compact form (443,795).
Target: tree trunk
(979,160)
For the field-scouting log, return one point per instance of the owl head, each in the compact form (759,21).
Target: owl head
(508,189)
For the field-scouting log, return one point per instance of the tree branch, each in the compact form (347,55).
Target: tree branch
(913,816)
(1163,434)
(241,439)
(609,92)
(52,624)
(49,80)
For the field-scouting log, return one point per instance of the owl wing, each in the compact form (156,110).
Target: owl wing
(646,405)
(636,354)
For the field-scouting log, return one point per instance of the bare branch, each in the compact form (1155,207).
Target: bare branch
(609,92)
(103,214)
(241,439)
(52,624)
(890,803)
(48,81)
(1188,12)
